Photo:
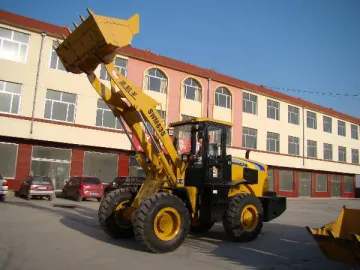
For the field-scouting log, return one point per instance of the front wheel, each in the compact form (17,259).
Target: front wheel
(162,222)
(112,216)
(243,220)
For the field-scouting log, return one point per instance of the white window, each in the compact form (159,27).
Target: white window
(10,97)
(341,128)
(342,154)
(249,103)
(55,62)
(328,151)
(13,45)
(105,117)
(120,64)
(273,142)
(273,109)
(155,80)
(192,89)
(293,145)
(355,156)
(311,120)
(327,123)
(60,106)
(311,149)
(354,132)
(223,97)
(293,115)
(249,138)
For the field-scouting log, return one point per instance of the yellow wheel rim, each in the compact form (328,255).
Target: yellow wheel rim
(167,223)
(120,217)
(249,218)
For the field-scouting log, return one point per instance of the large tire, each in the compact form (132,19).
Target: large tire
(156,211)
(235,225)
(110,217)
(201,227)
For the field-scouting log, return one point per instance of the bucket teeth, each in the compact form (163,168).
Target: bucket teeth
(90,11)
(82,18)
(64,37)
(75,25)
(67,28)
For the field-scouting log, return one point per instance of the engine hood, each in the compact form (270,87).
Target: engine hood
(248,163)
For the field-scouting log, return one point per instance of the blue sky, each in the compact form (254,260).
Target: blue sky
(311,45)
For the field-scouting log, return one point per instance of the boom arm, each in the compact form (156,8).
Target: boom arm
(95,41)
(142,108)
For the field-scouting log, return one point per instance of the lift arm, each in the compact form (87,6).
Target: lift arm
(97,41)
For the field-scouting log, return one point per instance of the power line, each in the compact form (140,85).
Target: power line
(329,94)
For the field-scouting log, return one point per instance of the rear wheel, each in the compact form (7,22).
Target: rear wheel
(111,214)
(243,220)
(162,222)
(2,198)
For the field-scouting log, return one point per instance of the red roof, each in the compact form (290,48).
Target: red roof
(147,56)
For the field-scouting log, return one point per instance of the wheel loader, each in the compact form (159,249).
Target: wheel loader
(191,181)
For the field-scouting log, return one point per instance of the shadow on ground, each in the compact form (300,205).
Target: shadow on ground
(79,218)
(278,247)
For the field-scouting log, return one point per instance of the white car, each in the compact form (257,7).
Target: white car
(3,188)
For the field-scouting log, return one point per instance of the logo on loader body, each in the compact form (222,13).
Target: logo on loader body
(157,122)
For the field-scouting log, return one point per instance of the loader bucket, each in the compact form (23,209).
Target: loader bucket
(340,240)
(96,40)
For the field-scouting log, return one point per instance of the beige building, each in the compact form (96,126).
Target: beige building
(53,122)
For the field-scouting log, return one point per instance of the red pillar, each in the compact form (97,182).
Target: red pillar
(123,165)
(77,162)
(23,165)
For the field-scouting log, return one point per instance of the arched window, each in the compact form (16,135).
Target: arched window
(223,97)
(192,89)
(156,80)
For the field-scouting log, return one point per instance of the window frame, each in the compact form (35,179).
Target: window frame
(291,114)
(117,122)
(248,135)
(273,105)
(146,81)
(12,94)
(21,43)
(254,104)
(228,97)
(61,92)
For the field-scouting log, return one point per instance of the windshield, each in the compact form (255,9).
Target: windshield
(41,180)
(91,180)
(182,137)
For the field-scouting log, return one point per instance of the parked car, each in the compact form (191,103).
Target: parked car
(3,188)
(38,186)
(83,187)
(133,183)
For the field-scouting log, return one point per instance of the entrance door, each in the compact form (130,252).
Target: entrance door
(335,185)
(304,184)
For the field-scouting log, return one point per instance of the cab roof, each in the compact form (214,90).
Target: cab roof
(200,120)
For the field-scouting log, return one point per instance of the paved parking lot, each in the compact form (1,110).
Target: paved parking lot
(38,235)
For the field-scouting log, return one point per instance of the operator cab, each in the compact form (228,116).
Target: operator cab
(201,142)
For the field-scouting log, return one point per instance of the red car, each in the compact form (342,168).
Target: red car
(37,186)
(83,187)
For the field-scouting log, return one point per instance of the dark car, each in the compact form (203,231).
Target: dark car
(133,183)
(83,187)
(37,186)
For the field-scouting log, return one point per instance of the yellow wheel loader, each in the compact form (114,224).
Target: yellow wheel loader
(191,181)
